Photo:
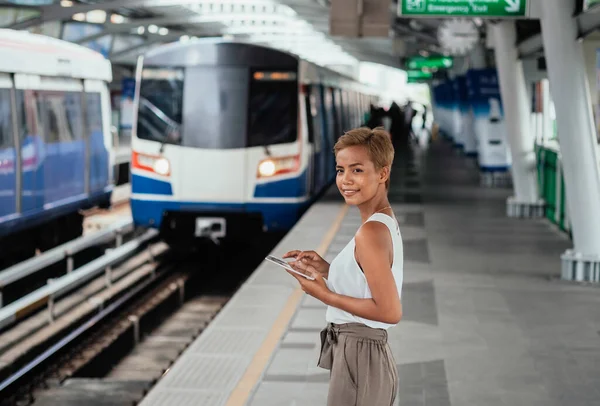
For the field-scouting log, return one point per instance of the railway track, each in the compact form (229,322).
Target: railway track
(33,333)
(153,324)
(111,347)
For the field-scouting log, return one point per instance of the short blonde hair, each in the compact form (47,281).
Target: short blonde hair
(377,141)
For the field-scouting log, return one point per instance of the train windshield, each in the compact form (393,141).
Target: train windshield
(220,108)
(215,107)
(160,108)
(273,108)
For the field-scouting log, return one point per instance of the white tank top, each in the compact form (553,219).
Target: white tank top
(346,278)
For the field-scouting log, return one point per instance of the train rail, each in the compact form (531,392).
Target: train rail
(85,338)
(71,301)
(110,343)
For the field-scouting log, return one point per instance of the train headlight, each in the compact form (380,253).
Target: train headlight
(278,166)
(162,166)
(152,163)
(267,168)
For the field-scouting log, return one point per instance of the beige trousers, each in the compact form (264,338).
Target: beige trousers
(363,370)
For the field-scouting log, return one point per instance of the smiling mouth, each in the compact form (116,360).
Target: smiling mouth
(349,192)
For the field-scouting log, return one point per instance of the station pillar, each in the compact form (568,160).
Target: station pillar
(577,138)
(526,201)
(477,59)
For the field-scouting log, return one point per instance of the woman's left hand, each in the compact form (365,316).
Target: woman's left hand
(317,288)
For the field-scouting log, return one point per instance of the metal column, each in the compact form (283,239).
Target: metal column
(577,137)
(526,201)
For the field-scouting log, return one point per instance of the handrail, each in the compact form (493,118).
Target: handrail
(24,306)
(66,250)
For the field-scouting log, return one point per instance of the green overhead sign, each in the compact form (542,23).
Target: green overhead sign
(416,76)
(464,8)
(419,74)
(587,4)
(441,62)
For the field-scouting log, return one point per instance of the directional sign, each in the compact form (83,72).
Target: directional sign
(418,75)
(464,8)
(439,62)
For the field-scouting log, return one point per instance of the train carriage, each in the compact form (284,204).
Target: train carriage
(232,137)
(55,141)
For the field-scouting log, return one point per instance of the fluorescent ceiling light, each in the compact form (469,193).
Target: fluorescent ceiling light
(272,24)
(96,16)
(117,19)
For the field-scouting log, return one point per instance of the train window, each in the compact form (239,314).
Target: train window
(273,110)
(160,107)
(94,114)
(61,115)
(309,118)
(6,135)
(316,117)
(74,114)
(30,110)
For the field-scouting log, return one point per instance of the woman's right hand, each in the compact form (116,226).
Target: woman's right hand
(304,258)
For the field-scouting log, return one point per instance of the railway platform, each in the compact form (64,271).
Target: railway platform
(487,319)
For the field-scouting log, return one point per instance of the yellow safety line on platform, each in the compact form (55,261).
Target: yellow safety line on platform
(242,391)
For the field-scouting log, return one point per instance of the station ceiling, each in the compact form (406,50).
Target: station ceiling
(124,29)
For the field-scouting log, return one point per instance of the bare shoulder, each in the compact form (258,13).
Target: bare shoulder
(374,246)
(373,234)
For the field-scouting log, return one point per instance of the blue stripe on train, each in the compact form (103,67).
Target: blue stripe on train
(16,222)
(53,180)
(277,216)
(294,187)
(142,184)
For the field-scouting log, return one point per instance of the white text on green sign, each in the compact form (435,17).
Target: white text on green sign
(431,62)
(465,8)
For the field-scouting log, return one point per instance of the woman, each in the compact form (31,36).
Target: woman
(362,286)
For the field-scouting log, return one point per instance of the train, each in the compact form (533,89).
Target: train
(232,138)
(56,143)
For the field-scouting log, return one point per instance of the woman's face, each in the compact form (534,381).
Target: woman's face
(357,179)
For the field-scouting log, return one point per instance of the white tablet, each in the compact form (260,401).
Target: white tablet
(283,264)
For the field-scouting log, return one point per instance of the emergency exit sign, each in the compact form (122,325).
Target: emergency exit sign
(464,8)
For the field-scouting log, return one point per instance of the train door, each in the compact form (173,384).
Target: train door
(60,110)
(99,138)
(341,113)
(314,119)
(327,132)
(333,120)
(8,155)
(335,111)
(315,144)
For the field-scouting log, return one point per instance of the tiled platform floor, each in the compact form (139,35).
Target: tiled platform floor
(486,320)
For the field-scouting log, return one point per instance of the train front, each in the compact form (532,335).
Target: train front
(216,146)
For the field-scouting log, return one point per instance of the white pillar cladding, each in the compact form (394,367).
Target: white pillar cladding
(576,135)
(526,201)
(477,60)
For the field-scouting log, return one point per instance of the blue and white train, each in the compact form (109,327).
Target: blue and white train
(56,154)
(232,137)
